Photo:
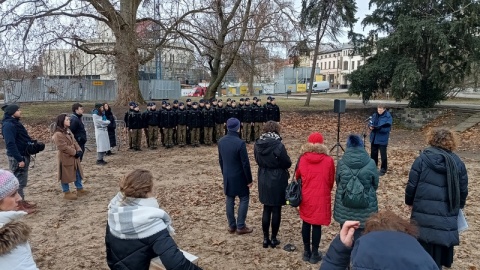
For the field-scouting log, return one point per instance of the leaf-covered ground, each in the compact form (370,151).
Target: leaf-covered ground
(69,235)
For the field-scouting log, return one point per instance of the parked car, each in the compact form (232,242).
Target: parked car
(322,86)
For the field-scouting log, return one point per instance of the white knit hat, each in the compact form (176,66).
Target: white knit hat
(8,184)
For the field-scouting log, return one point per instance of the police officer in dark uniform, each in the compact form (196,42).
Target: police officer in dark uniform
(125,119)
(195,124)
(169,122)
(276,110)
(135,126)
(269,109)
(247,121)
(220,119)
(258,118)
(152,119)
(208,123)
(182,116)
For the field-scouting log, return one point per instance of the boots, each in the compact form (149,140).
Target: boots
(316,257)
(82,192)
(69,196)
(26,207)
(266,240)
(275,242)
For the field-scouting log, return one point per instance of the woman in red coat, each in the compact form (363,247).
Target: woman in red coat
(317,171)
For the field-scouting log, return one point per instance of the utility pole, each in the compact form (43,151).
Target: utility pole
(158,51)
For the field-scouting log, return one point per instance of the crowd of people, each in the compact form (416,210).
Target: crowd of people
(139,230)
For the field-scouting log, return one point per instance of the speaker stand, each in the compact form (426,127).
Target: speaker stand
(338,146)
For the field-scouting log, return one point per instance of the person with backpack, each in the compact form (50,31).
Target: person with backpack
(316,170)
(357,182)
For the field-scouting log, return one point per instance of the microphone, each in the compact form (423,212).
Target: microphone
(368,119)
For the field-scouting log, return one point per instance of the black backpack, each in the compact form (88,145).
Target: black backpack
(293,192)
(355,195)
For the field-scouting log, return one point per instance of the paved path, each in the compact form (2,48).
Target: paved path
(468,123)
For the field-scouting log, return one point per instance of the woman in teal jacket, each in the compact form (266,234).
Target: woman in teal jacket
(355,162)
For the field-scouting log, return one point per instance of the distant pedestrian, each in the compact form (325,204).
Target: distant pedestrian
(77,127)
(317,171)
(111,127)
(380,127)
(101,134)
(237,176)
(273,164)
(69,152)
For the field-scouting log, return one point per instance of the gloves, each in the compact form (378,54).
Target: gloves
(78,154)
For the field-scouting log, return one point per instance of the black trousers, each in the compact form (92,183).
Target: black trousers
(383,155)
(316,231)
(271,215)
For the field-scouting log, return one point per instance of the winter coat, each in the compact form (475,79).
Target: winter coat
(276,113)
(111,128)
(182,116)
(258,113)
(15,136)
(357,161)
(220,115)
(382,124)
(234,164)
(101,133)
(273,163)
(234,112)
(134,120)
(247,114)
(152,118)
(67,163)
(15,251)
(317,171)
(379,250)
(208,117)
(194,118)
(269,112)
(427,192)
(168,119)
(78,129)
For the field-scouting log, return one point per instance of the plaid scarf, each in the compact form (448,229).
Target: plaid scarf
(271,135)
(135,218)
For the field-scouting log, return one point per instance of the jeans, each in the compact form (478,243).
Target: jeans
(78,183)
(20,173)
(242,211)
(383,155)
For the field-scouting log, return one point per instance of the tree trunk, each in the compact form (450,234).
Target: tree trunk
(126,65)
(251,77)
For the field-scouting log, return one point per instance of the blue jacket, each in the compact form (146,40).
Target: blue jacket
(235,165)
(15,136)
(382,124)
(379,250)
(427,192)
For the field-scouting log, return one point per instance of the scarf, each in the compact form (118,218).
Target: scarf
(452,175)
(271,135)
(135,218)
(8,216)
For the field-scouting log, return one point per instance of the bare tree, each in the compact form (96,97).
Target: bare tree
(32,25)
(328,17)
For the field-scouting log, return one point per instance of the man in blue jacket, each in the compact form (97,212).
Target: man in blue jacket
(237,176)
(77,127)
(380,127)
(16,141)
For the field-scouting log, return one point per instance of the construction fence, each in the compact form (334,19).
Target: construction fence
(43,90)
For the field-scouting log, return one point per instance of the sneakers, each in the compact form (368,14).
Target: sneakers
(82,192)
(27,207)
(244,230)
(101,162)
(315,257)
(69,196)
(232,229)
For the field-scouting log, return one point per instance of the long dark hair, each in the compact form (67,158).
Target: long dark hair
(108,112)
(61,122)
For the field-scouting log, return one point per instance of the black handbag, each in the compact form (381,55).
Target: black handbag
(293,192)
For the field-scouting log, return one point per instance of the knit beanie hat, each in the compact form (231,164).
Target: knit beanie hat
(98,105)
(354,140)
(233,124)
(8,184)
(315,137)
(10,109)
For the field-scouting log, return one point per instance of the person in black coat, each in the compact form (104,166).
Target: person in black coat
(195,123)
(436,191)
(182,116)
(169,123)
(111,127)
(130,248)
(77,127)
(276,110)
(208,123)
(220,119)
(247,121)
(237,176)
(273,163)
(258,118)
(387,243)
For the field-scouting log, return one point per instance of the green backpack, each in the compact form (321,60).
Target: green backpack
(355,195)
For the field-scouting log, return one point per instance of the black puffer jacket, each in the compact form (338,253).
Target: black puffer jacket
(427,192)
(273,163)
(135,254)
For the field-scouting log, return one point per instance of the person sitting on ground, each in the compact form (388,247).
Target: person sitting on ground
(388,242)
(138,230)
(15,251)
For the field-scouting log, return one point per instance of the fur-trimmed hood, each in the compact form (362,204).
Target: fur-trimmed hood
(314,148)
(13,234)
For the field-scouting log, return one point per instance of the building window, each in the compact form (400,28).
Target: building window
(317,64)
(353,65)
(329,64)
(345,65)
(338,64)
(333,64)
